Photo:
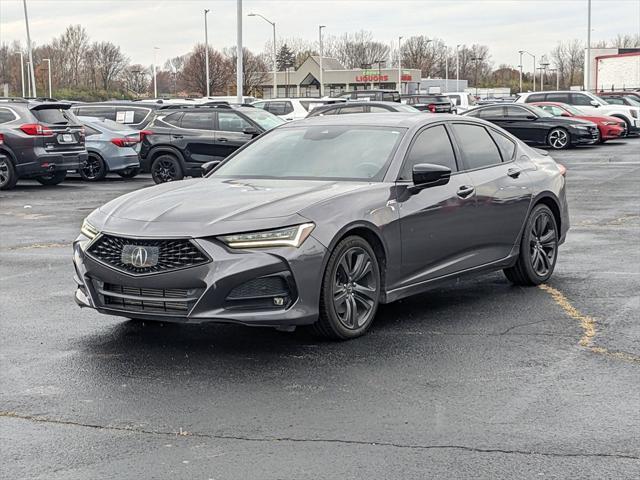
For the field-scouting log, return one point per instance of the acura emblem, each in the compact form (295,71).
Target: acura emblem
(140,256)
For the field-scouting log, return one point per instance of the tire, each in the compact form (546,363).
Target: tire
(350,291)
(94,169)
(166,168)
(129,172)
(539,242)
(53,178)
(8,176)
(558,139)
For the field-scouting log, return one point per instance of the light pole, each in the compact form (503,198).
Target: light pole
(240,54)
(48,60)
(21,71)
(321,54)
(457,67)
(400,64)
(206,51)
(446,69)
(588,66)
(155,83)
(28,79)
(543,66)
(534,67)
(33,77)
(275,54)
(477,60)
(520,52)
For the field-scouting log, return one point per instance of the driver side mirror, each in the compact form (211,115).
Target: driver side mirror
(426,175)
(207,167)
(251,131)
(593,103)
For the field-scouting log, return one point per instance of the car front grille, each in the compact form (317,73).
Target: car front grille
(165,255)
(174,301)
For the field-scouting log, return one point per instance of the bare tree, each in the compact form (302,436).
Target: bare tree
(357,49)
(255,71)
(193,76)
(137,79)
(75,43)
(109,62)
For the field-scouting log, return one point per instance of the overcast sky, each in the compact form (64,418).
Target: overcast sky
(175,25)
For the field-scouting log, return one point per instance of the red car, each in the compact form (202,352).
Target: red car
(609,128)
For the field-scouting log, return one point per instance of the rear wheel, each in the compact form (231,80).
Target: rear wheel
(129,172)
(8,176)
(350,291)
(538,249)
(558,139)
(52,178)
(166,168)
(94,168)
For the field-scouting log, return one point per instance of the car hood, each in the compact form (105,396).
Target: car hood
(600,118)
(569,121)
(211,206)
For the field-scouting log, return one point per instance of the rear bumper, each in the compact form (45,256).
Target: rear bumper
(120,163)
(44,162)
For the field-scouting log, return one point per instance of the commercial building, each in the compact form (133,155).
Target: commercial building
(305,80)
(614,69)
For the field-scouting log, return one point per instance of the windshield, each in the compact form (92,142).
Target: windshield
(263,118)
(316,152)
(632,100)
(540,112)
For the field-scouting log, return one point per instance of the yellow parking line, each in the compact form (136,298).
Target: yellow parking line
(588,325)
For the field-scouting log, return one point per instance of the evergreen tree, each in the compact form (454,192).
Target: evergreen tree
(285,58)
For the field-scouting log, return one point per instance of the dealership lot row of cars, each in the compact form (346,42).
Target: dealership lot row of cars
(173,139)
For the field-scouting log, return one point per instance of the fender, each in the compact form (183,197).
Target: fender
(145,164)
(9,154)
(534,201)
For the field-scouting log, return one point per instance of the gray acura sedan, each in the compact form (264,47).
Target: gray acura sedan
(319,221)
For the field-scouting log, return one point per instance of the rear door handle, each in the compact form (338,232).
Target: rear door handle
(177,136)
(514,172)
(465,191)
(223,139)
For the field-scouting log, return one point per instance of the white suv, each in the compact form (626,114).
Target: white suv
(294,108)
(588,103)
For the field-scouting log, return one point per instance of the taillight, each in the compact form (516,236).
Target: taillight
(124,142)
(563,169)
(1,139)
(36,129)
(432,108)
(144,133)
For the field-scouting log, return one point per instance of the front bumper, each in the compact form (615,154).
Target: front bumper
(584,137)
(44,162)
(610,132)
(210,285)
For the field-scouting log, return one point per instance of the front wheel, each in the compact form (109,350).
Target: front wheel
(166,168)
(52,178)
(350,291)
(538,249)
(558,139)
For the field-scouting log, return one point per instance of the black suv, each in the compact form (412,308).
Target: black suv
(377,95)
(40,140)
(429,102)
(178,142)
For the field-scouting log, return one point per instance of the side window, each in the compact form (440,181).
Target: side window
(388,97)
(558,97)
(580,99)
(6,115)
(330,111)
(173,119)
(277,108)
(352,109)
(491,112)
(536,97)
(506,146)
(197,120)
(455,98)
(614,101)
(262,105)
(478,149)
(232,122)
(98,112)
(430,146)
(288,107)
(375,109)
(517,113)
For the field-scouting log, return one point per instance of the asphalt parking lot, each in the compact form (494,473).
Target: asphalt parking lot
(477,380)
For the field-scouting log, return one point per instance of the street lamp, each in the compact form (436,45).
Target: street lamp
(379,62)
(321,53)
(588,66)
(21,71)
(275,55)
(206,51)
(49,71)
(400,64)
(543,66)
(32,84)
(534,66)
(477,60)
(155,83)
(457,67)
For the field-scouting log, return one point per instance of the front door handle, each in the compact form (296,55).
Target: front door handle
(177,136)
(465,191)
(514,172)
(223,139)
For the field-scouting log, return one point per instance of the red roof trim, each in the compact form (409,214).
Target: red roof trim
(630,54)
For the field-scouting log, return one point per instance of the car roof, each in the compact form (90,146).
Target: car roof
(392,119)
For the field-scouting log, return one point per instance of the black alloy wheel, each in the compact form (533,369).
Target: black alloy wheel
(166,168)
(8,177)
(559,139)
(350,290)
(93,169)
(538,249)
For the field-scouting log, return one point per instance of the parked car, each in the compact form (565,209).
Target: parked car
(178,142)
(609,128)
(135,114)
(628,100)
(462,101)
(111,147)
(294,108)
(379,95)
(434,103)
(589,104)
(39,140)
(362,107)
(320,221)
(635,94)
(535,126)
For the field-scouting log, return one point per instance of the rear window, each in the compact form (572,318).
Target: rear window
(54,116)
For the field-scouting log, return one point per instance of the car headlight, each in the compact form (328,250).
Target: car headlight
(582,127)
(610,123)
(281,237)
(88,230)
(634,113)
